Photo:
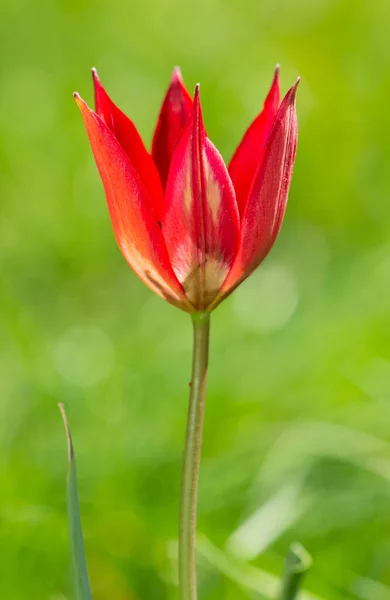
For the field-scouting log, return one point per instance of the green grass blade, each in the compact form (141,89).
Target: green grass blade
(80,571)
(297,564)
(253,579)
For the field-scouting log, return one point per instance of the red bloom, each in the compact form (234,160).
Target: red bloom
(190,228)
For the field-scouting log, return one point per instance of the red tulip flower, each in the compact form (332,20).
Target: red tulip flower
(191,228)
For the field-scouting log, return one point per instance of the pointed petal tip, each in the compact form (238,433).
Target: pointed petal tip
(275,81)
(80,102)
(292,92)
(176,75)
(197,107)
(95,79)
(294,89)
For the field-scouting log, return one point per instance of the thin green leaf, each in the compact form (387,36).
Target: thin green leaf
(247,576)
(80,571)
(297,564)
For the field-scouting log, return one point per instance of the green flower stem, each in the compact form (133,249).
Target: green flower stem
(191,461)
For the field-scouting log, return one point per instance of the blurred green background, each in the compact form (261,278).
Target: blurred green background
(297,433)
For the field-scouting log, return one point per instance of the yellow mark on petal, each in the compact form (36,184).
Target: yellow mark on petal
(183,259)
(213,192)
(188,196)
(215,272)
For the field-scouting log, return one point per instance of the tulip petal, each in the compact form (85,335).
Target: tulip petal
(263,216)
(201,221)
(132,212)
(175,112)
(250,153)
(128,137)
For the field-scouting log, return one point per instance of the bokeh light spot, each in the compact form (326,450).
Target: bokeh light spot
(268,299)
(84,356)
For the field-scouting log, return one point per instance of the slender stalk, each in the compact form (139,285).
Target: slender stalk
(191,460)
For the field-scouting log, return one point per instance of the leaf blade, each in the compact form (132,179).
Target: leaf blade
(80,571)
(298,562)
